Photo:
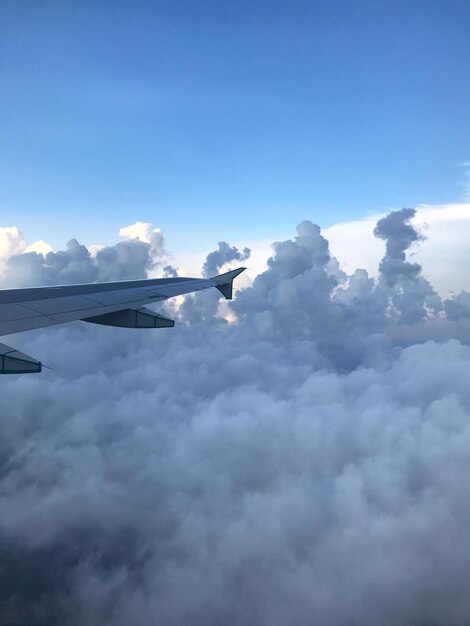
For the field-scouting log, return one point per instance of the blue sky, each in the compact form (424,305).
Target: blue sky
(227,120)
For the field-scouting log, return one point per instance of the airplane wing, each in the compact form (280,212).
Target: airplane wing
(111,304)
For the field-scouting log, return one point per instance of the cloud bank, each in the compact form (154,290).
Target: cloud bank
(304,464)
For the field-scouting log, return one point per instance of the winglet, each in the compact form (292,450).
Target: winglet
(224,282)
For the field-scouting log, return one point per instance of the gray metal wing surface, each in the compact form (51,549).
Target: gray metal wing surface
(112,304)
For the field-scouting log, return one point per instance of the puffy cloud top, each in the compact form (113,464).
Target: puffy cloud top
(141,252)
(224,254)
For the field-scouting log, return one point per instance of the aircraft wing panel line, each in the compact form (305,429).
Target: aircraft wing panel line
(15,311)
(58,305)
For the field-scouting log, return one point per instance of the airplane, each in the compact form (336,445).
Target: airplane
(110,304)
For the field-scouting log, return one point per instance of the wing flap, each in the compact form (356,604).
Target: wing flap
(15,362)
(132,318)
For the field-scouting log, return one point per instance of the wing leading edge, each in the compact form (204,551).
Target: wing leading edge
(111,304)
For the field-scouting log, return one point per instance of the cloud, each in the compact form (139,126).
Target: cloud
(251,472)
(224,254)
(11,242)
(41,247)
(142,252)
(411,296)
(146,233)
(143,231)
(444,257)
(458,308)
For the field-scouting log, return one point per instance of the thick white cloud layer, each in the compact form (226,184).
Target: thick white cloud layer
(304,465)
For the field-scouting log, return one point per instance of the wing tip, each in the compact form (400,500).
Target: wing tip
(224,282)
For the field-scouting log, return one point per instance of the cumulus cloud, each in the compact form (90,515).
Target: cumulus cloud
(224,254)
(445,257)
(146,233)
(41,247)
(208,307)
(254,472)
(12,242)
(410,292)
(458,307)
(142,251)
